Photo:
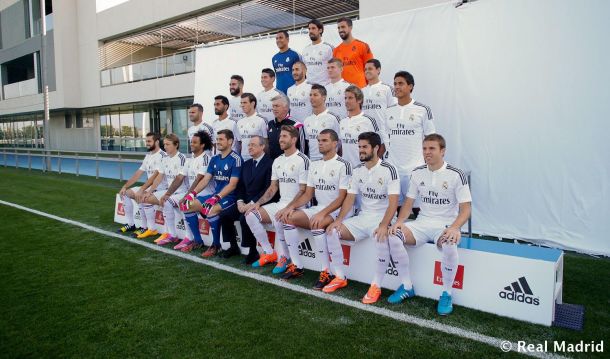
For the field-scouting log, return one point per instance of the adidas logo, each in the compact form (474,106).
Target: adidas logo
(306,250)
(392,269)
(519,291)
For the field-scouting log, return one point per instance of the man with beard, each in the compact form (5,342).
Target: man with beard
(251,125)
(317,54)
(196,118)
(224,122)
(150,165)
(377,183)
(263,100)
(300,107)
(283,61)
(236,89)
(378,96)
(289,176)
(354,54)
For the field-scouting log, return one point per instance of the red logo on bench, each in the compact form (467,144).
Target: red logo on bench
(271,237)
(458,282)
(204,227)
(347,250)
(120,209)
(159,218)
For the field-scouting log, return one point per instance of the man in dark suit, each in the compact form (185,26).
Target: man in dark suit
(254,181)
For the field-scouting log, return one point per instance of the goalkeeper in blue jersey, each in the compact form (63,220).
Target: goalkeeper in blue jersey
(224,169)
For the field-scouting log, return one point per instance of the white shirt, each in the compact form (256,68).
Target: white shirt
(199,165)
(235,111)
(226,124)
(313,125)
(263,104)
(374,186)
(316,58)
(201,127)
(377,98)
(247,128)
(349,130)
(439,192)
(290,172)
(171,167)
(328,178)
(152,162)
(406,128)
(300,106)
(335,97)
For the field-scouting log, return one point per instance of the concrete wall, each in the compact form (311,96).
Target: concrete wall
(72,139)
(371,8)
(12,20)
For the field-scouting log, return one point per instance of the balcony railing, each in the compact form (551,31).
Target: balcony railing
(23,88)
(175,64)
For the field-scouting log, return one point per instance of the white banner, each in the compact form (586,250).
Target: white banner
(519,89)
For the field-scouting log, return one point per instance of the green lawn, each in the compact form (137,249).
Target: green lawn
(69,292)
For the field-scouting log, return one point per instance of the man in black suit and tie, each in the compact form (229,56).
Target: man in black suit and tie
(254,181)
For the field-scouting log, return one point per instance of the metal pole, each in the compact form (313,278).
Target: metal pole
(16,160)
(469,218)
(29,161)
(120,169)
(45,87)
(59,162)
(77,165)
(97,167)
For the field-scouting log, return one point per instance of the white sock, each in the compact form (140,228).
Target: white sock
(400,256)
(293,240)
(449,265)
(170,218)
(336,253)
(128,207)
(254,221)
(143,215)
(149,213)
(383,258)
(280,241)
(319,238)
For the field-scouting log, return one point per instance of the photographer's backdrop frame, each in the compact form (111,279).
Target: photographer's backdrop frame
(520,90)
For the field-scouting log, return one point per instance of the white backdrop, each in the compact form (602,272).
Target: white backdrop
(520,90)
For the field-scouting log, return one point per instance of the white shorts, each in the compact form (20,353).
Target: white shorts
(426,230)
(312,211)
(273,208)
(363,225)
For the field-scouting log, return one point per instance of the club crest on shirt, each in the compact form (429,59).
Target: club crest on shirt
(302,93)
(332,173)
(412,117)
(292,168)
(378,93)
(380,181)
(253,125)
(226,167)
(391,118)
(288,59)
(422,183)
(445,185)
(353,48)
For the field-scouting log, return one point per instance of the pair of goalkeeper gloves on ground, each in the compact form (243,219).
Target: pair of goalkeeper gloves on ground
(206,207)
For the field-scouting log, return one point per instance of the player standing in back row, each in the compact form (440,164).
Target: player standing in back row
(354,54)
(316,55)
(282,62)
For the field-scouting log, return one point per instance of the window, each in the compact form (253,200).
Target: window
(78,120)
(180,127)
(141,122)
(68,120)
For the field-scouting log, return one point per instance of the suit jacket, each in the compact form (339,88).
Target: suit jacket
(253,183)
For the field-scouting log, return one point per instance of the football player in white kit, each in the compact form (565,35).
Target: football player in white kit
(236,89)
(319,120)
(316,55)
(224,122)
(378,95)
(300,107)
(376,181)
(263,99)
(172,167)
(335,89)
(251,125)
(150,166)
(289,176)
(445,200)
(194,171)
(406,123)
(356,123)
(328,180)
(196,118)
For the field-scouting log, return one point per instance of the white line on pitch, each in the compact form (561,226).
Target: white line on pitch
(424,323)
